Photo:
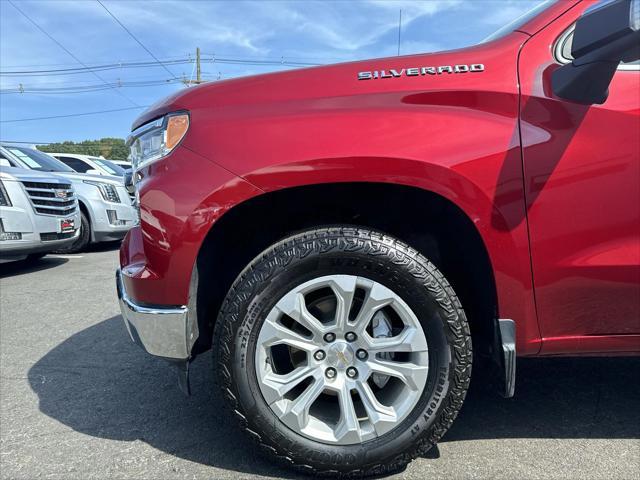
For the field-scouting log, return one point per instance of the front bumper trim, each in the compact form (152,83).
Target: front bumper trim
(160,331)
(9,248)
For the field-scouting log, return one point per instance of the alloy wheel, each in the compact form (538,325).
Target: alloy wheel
(341,359)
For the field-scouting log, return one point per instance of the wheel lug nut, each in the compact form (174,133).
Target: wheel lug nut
(350,337)
(330,373)
(329,337)
(352,372)
(319,355)
(362,354)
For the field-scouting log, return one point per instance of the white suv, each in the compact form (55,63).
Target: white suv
(38,214)
(106,209)
(89,164)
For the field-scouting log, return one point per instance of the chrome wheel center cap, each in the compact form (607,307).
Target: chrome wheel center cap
(340,355)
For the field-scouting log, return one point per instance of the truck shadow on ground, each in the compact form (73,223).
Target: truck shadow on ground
(100,384)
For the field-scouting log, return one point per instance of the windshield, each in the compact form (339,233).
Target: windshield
(36,160)
(108,166)
(520,21)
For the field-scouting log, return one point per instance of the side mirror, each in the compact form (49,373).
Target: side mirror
(128,182)
(605,35)
(92,171)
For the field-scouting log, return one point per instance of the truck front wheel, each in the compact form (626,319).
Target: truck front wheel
(343,351)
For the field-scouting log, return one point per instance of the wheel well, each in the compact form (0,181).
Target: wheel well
(410,214)
(85,210)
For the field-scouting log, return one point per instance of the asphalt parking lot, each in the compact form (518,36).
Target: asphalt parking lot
(78,400)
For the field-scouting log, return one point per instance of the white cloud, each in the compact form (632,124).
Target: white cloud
(356,25)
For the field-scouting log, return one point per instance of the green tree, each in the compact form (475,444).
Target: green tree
(108,147)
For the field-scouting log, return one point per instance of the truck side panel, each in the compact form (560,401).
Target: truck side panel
(439,132)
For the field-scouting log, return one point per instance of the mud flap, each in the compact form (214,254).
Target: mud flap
(507,330)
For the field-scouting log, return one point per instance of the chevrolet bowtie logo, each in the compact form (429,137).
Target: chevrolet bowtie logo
(342,357)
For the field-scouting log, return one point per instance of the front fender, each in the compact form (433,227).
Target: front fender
(462,145)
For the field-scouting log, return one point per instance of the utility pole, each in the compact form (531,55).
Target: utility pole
(198,77)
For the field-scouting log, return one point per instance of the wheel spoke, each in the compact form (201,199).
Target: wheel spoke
(294,305)
(344,288)
(277,386)
(297,411)
(409,373)
(378,414)
(348,429)
(409,340)
(377,297)
(274,333)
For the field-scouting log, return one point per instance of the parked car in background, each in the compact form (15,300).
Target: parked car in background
(89,164)
(38,213)
(349,239)
(106,212)
(123,163)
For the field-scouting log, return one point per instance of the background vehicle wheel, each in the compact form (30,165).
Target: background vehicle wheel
(83,239)
(343,351)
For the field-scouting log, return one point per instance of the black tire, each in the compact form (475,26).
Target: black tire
(83,239)
(355,251)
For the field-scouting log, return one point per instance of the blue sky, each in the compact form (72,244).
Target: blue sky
(297,31)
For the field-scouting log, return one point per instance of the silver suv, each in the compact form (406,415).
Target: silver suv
(38,214)
(90,164)
(106,209)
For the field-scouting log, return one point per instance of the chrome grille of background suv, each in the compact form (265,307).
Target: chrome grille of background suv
(57,199)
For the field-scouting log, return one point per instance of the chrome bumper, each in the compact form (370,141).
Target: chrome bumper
(160,331)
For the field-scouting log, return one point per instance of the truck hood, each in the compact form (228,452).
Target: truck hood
(348,79)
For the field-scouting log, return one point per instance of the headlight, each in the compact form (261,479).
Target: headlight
(108,191)
(4,196)
(157,139)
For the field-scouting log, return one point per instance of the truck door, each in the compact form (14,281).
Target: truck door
(582,187)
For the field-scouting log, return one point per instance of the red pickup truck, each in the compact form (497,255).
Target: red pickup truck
(349,239)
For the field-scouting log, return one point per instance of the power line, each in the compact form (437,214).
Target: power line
(95,68)
(22,89)
(135,38)
(65,64)
(100,67)
(72,114)
(86,88)
(215,59)
(68,51)
(207,58)
(305,60)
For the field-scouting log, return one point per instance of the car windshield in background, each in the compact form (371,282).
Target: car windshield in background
(36,160)
(108,166)
(520,21)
